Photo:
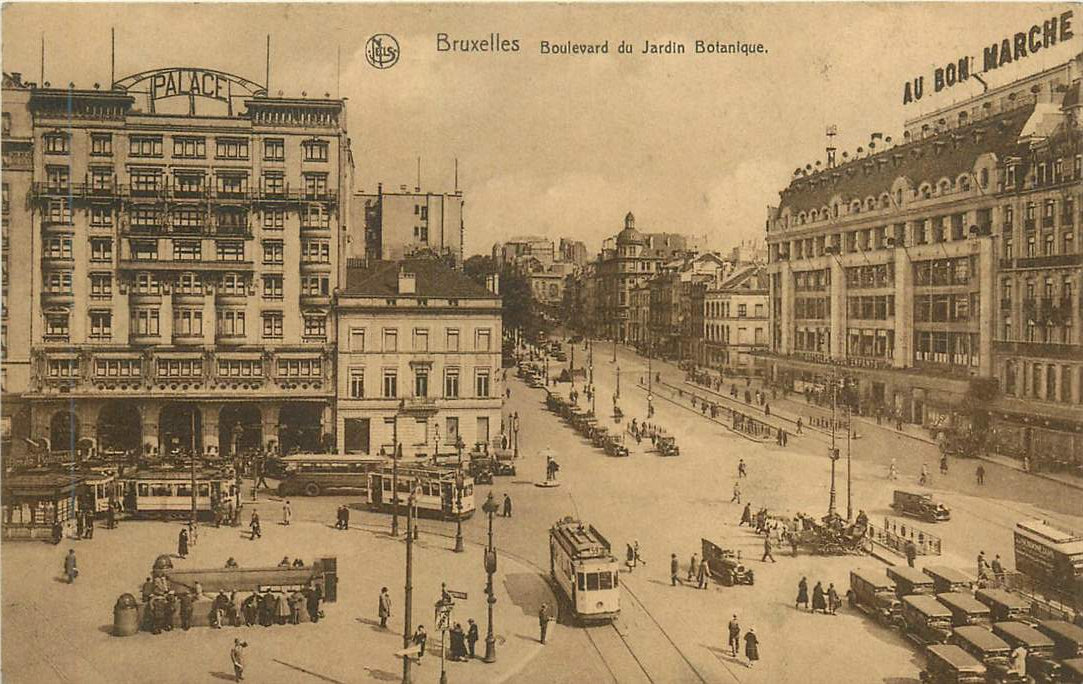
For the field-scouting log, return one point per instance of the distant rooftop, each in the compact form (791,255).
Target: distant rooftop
(433,279)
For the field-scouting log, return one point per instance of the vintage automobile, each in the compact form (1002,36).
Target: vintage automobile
(965,609)
(480,469)
(559,355)
(614,446)
(725,565)
(873,592)
(991,650)
(946,664)
(598,436)
(1004,605)
(911,581)
(667,446)
(920,506)
(1040,663)
(946,578)
(1067,638)
(927,620)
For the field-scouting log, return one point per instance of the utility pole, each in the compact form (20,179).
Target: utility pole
(396,453)
(849,482)
(834,452)
(459,498)
(408,590)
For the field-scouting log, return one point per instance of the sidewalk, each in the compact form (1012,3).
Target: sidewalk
(65,631)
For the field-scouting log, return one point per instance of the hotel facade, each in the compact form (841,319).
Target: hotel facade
(183,232)
(940,276)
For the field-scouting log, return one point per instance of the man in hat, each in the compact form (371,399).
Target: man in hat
(236,656)
(734,642)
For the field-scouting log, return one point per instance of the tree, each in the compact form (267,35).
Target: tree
(519,310)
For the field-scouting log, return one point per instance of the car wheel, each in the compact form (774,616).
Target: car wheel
(312,489)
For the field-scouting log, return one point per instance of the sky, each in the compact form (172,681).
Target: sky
(566,145)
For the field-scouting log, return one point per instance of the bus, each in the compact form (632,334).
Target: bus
(167,493)
(442,492)
(316,474)
(583,566)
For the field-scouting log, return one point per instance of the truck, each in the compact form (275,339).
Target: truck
(920,506)
(1052,557)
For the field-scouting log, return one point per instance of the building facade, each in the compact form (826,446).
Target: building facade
(735,321)
(396,225)
(522,249)
(573,252)
(185,245)
(419,359)
(941,275)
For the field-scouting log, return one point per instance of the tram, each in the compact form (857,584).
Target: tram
(315,474)
(583,566)
(165,493)
(437,487)
(102,487)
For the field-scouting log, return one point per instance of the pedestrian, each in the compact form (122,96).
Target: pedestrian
(746,516)
(79,525)
(298,563)
(285,562)
(419,639)
(250,608)
(741,471)
(767,549)
(89,526)
(297,600)
(507,506)
(254,525)
(313,596)
(236,656)
(833,600)
(111,515)
(736,493)
(998,568)
(543,620)
(630,559)
(674,570)
(734,636)
(980,474)
(752,647)
(983,566)
(818,599)
(693,568)
(911,552)
(766,409)
(943,464)
(704,574)
(798,426)
(802,594)
(186,602)
(893,472)
(637,558)
(287,513)
(385,607)
(924,479)
(71,570)
(182,544)
(1019,661)
(261,481)
(471,635)
(231,562)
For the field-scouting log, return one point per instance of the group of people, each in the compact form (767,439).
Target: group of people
(990,571)
(342,521)
(827,602)
(699,572)
(649,430)
(463,641)
(752,641)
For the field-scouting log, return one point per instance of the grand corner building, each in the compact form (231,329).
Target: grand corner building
(940,278)
(179,242)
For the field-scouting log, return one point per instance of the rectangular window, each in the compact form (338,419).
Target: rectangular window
(453,339)
(185,250)
(274,149)
(483,339)
(101,249)
(421,382)
(56,326)
(58,177)
(101,285)
(481,382)
(391,340)
(273,252)
(230,250)
(231,185)
(234,284)
(188,184)
(274,219)
(231,148)
(315,326)
(391,384)
(272,325)
(101,217)
(187,322)
(57,282)
(146,283)
(421,339)
(144,322)
(357,339)
(56,143)
(189,284)
(357,383)
(451,383)
(101,144)
(315,185)
(190,148)
(274,183)
(230,323)
(272,287)
(315,252)
(315,286)
(146,181)
(315,150)
(145,146)
(59,211)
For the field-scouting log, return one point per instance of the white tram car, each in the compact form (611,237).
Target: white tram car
(438,490)
(587,573)
(168,493)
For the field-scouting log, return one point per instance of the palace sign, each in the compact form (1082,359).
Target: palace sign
(1040,36)
(191,82)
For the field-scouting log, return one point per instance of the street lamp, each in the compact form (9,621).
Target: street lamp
(436,454)
(490,568)
(396,454)
(408,589)
(834,453)
(459,497)
(849,482)
(515,428)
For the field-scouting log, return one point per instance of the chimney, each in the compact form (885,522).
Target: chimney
(492,283)
(407,282)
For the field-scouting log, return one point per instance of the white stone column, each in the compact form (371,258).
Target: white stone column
(987,305)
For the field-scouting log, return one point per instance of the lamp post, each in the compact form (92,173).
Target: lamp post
(490,568)
(459,497)
(849,481)
(436,454)
(834,453)
(515,428)
(408,590)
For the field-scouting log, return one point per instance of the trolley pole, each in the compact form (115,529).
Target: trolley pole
(459,498)
(408,590)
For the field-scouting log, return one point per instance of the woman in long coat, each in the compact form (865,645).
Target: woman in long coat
(282,608)
(818,602)
(802,593)
(182,544)
(752,647)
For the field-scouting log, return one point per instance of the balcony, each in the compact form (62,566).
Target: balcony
(230,338)
(54,225)
(315,300)
(187,339)
(188,297)
(230,297)
(137,297)
(144,338)
(1029,224)
(313,228)
(1052,261)
(53,261)
(202,265)
(419,406)
(57,298)
(1051,350)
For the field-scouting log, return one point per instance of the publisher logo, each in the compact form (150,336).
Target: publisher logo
(382,51)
